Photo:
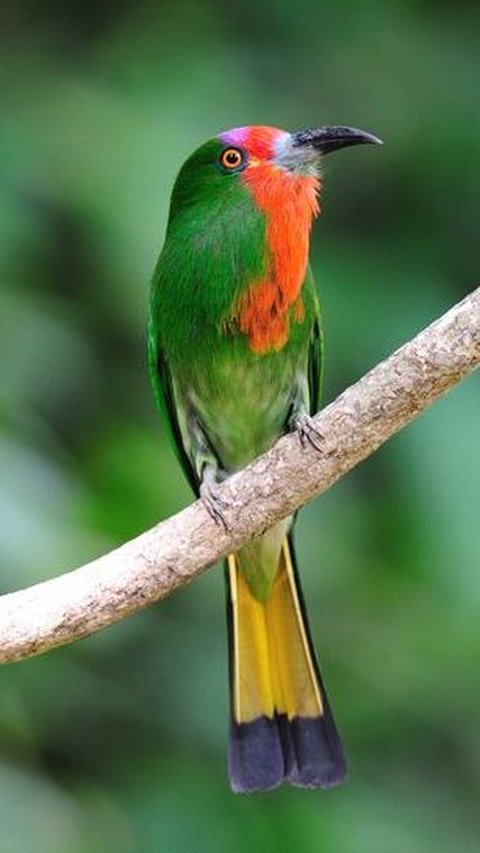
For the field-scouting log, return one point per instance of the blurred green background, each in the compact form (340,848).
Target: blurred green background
(119,742)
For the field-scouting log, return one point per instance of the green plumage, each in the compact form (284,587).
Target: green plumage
(225,403)
(235,351)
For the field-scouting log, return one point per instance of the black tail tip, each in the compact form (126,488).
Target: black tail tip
(304,751)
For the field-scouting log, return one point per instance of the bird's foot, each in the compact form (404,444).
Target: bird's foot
(215,504)
(309,433)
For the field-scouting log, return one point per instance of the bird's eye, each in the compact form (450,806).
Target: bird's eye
(232,158)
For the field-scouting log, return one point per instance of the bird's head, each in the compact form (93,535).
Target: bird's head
(240,216)
(299,153)
(274,164)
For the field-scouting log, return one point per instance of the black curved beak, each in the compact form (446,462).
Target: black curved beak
(332,137)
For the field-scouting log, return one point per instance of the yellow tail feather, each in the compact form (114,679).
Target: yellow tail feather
(273,667)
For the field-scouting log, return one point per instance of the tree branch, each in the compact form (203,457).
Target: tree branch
(175,551)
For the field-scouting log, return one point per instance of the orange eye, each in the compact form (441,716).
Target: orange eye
(231,158)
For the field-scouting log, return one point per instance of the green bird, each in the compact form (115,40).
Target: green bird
(235,354)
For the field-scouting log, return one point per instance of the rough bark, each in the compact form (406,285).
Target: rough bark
(175,551)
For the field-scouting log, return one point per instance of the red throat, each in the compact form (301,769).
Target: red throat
(290,202)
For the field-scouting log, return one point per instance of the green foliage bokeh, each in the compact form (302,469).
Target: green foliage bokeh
(118,743)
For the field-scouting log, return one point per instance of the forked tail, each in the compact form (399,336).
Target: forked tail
(281,728)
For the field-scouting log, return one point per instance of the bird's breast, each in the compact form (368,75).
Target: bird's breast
(266,309)
(243,401)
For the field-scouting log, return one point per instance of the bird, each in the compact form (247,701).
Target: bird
(235,349)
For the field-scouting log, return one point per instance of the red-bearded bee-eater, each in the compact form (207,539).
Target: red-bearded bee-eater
(235,348)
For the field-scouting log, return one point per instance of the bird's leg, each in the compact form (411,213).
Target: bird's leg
(207,467)
(214,502)
(300,420)
(309,432)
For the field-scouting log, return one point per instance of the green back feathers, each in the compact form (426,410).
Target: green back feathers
(215,246)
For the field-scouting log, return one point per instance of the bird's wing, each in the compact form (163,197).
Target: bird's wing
(307,391)
(316,348)
(163,388)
